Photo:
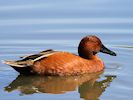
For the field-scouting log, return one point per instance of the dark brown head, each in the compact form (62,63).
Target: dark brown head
(91,45)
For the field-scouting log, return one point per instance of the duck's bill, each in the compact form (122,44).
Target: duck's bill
(107,51)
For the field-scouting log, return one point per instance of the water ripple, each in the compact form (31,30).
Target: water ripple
(66,21)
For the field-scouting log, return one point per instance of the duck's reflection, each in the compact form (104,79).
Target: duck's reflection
(90,91)
(88,86)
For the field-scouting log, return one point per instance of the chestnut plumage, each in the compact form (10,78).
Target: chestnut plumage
(61,63)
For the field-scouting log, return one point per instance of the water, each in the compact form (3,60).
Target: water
(29,26)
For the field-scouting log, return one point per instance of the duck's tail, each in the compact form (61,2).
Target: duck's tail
(20,66)
(25,65)
(15,63)
(30,59)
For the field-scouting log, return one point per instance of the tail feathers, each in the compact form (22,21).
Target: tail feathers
(14,63)
(30,59)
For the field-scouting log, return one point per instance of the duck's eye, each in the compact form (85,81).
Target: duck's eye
(94,52)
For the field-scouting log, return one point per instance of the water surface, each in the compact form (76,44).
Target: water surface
(28,27)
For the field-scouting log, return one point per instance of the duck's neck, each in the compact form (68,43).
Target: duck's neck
(86,54)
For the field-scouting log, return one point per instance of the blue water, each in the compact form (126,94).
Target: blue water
(30,26)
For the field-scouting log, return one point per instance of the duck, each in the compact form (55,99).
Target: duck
(59,63)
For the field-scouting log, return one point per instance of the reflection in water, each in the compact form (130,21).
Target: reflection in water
(90,91)
(89,87)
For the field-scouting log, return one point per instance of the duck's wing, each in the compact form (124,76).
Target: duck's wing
(30,59)
(46,51)
(33,56)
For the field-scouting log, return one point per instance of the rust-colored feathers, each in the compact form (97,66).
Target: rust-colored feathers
(59,63)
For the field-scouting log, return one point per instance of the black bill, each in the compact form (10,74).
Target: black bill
(107,51)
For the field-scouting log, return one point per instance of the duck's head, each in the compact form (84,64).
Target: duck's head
(90,46)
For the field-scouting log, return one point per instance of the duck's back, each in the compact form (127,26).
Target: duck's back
(64,63)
